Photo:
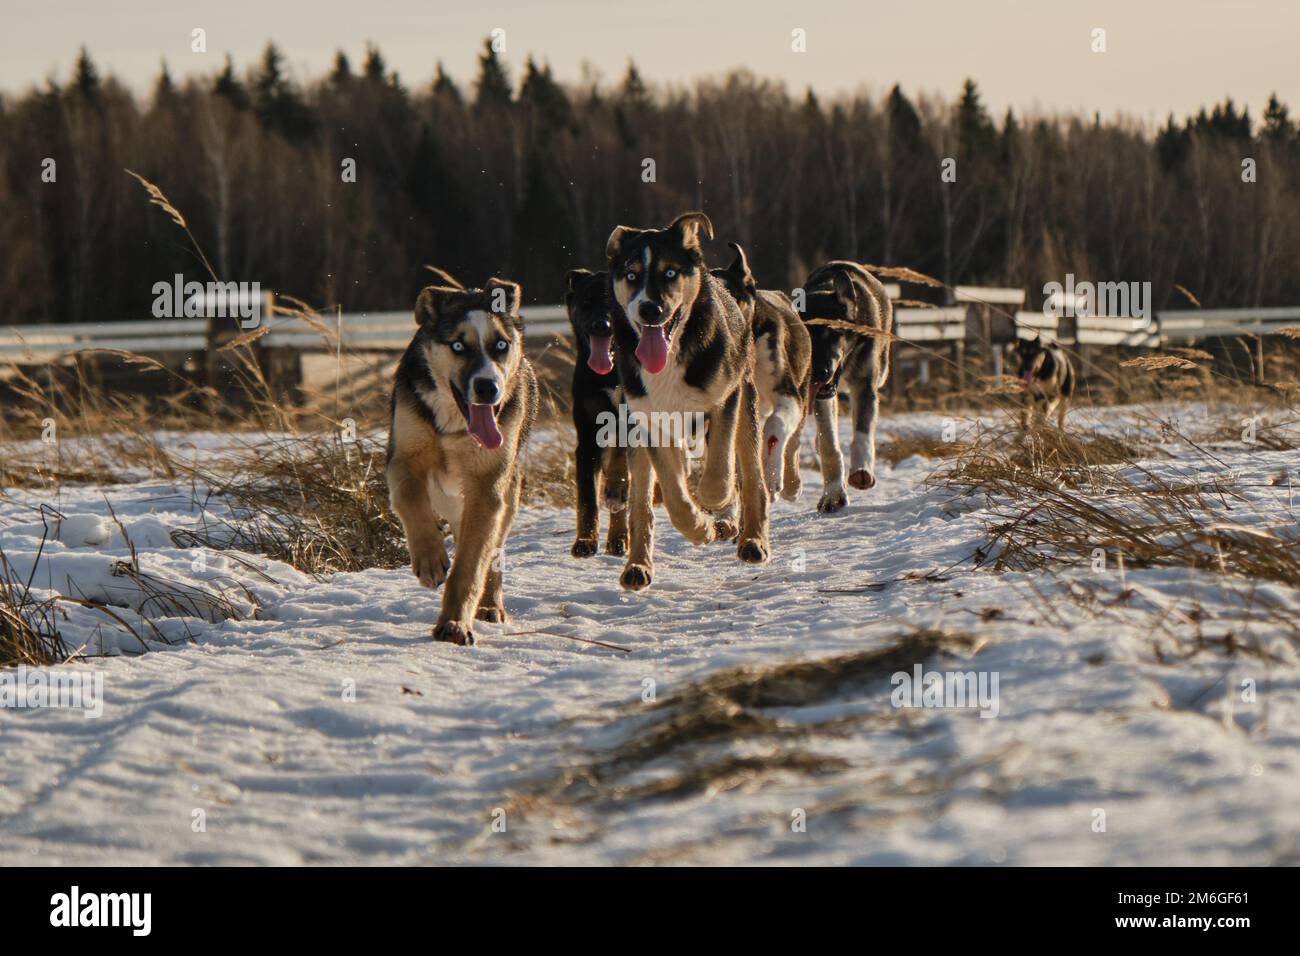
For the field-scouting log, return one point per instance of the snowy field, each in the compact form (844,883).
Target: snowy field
(1144,716)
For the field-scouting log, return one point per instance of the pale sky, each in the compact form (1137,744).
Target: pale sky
(1162,55)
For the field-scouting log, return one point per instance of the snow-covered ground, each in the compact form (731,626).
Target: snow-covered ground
(599,726)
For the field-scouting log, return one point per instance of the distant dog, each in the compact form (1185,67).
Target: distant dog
(843,294)
(595,393)
(685,348)
(463,403)
(782,360)
(1047,378)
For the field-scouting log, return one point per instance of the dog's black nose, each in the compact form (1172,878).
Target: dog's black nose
(601,328)
(485,391)
(651,313)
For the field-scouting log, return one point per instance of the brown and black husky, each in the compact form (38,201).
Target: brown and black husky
(684,348)
(464,401)
(1047,378)
(596,394)
(843,291)
(782,360)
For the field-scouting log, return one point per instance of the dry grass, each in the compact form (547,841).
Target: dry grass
(693,731)
(1062,500)
(28,634)
(903,444)
(312,501)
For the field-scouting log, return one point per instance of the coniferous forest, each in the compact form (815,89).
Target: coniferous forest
(525,175)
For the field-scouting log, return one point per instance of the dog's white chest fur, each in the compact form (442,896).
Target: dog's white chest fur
(668,392)
(446,498)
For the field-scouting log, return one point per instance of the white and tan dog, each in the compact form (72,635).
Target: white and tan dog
(464,400)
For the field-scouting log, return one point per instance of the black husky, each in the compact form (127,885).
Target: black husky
(595,394)
(844,295)
(1047,378)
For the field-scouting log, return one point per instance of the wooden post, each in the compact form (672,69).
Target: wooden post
(1259,359)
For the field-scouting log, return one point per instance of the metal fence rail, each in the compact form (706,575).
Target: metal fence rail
(391,331)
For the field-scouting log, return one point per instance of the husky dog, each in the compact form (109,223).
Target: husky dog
(844,292)
(1047,378)
(595,393)
(685,348)
(782,359)
(464,401)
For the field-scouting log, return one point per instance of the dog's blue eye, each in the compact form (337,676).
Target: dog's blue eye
(631,277)
(502,345)
(458,346)
(670,274)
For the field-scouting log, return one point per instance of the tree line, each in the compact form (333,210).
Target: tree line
(525,177)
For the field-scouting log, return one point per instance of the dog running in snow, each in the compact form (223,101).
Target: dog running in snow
(683,347)
(464,400)
(782,361)
(596,393)
(841,295)
(1047,378)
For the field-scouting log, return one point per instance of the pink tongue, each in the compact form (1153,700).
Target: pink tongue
(813,391)
(600,361)
(653,349)
(483,426)
(1028,379)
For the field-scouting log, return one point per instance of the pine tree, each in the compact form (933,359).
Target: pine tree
(164,90)
(277,101)
(341,75)
(904,121)
(375,70)
(227,85)
(445,86)
(493,87)
(86,77)
(1277,126)
(547,99)
(975,132)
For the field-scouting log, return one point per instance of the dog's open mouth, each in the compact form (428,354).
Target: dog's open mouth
(601,359)
(481,421)
(821,392)
(652,350)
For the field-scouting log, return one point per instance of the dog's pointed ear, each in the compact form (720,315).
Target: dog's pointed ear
(432,300)
(445,278)
(614,245)
(505,296)
(740,264)
(689,225)
(574,276)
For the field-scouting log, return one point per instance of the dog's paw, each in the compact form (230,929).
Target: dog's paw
(792,491)
(862,479)
(583,547)
(616,546)
(832,501)
(752,551)
(725,527)
(492,613)
(429,565)
(635,577)
(453,632)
